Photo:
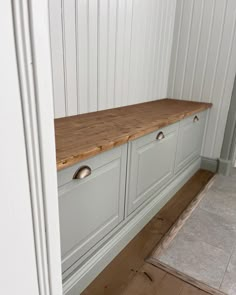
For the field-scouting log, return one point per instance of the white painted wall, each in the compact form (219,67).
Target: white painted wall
(203,62)
(109,53)
(17,249)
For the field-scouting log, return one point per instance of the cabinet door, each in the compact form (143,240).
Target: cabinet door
(190,140)
(93,206)
(151,164)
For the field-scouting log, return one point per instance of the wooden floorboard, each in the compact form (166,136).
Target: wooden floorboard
(126,273)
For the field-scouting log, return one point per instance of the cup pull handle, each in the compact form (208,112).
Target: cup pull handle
(160,136)
(82,172)
(195,119)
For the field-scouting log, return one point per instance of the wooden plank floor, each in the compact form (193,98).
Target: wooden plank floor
(128,274)
(151,280)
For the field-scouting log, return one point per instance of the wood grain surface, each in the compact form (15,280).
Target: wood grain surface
(151,280)
(83,136)
(125,272)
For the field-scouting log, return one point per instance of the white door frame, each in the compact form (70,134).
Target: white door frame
(31,24)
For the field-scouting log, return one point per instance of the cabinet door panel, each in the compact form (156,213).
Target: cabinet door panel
(93,206)
(190,140)
(151,165)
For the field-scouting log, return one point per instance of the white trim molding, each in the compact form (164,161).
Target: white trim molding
(31,25)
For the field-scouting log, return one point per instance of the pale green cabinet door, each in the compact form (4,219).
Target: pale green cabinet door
(151,165)
(93,206)
(190,139)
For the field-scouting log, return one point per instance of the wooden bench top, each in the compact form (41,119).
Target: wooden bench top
(83,136)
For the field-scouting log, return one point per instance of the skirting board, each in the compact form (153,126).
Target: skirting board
(209,164)
(225,167)
(81,278)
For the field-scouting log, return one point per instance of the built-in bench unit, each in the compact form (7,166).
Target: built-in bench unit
(115,171)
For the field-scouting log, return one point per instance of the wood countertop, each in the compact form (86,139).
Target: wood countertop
(83,136)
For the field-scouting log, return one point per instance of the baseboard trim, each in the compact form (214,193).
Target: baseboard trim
(81,278)
(209,164)
(225,167)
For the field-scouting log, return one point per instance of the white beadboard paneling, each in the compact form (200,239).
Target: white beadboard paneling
(82,55)
(92,47)
(166,72)
(103,43)
(109,53)
(69,34)
(157,50)
(57,58)
(150,35)
(120,52)
(127,51)
(86,36)
(136,56)
(203,61)
(112,29)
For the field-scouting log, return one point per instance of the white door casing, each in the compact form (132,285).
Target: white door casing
(29,209)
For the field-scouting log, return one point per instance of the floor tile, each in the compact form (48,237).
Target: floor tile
(220,204)
(212,229)
(197,259)
(225,184)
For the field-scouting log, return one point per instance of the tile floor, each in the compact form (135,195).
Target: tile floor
(205,247)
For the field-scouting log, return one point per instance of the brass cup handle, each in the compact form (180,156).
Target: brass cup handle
(195,119)
(160,136)
(82,172)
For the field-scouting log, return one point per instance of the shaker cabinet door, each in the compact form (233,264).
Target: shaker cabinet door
(190,140)
(91,202)
(151,164)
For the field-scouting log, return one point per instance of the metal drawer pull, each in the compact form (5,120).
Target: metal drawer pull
(82,172)
(195,119)
(160,136)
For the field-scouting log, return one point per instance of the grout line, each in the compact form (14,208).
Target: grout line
(227,266)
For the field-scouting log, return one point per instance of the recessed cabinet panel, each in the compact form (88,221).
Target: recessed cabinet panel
(151,164)
(190,139)
(91,205)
